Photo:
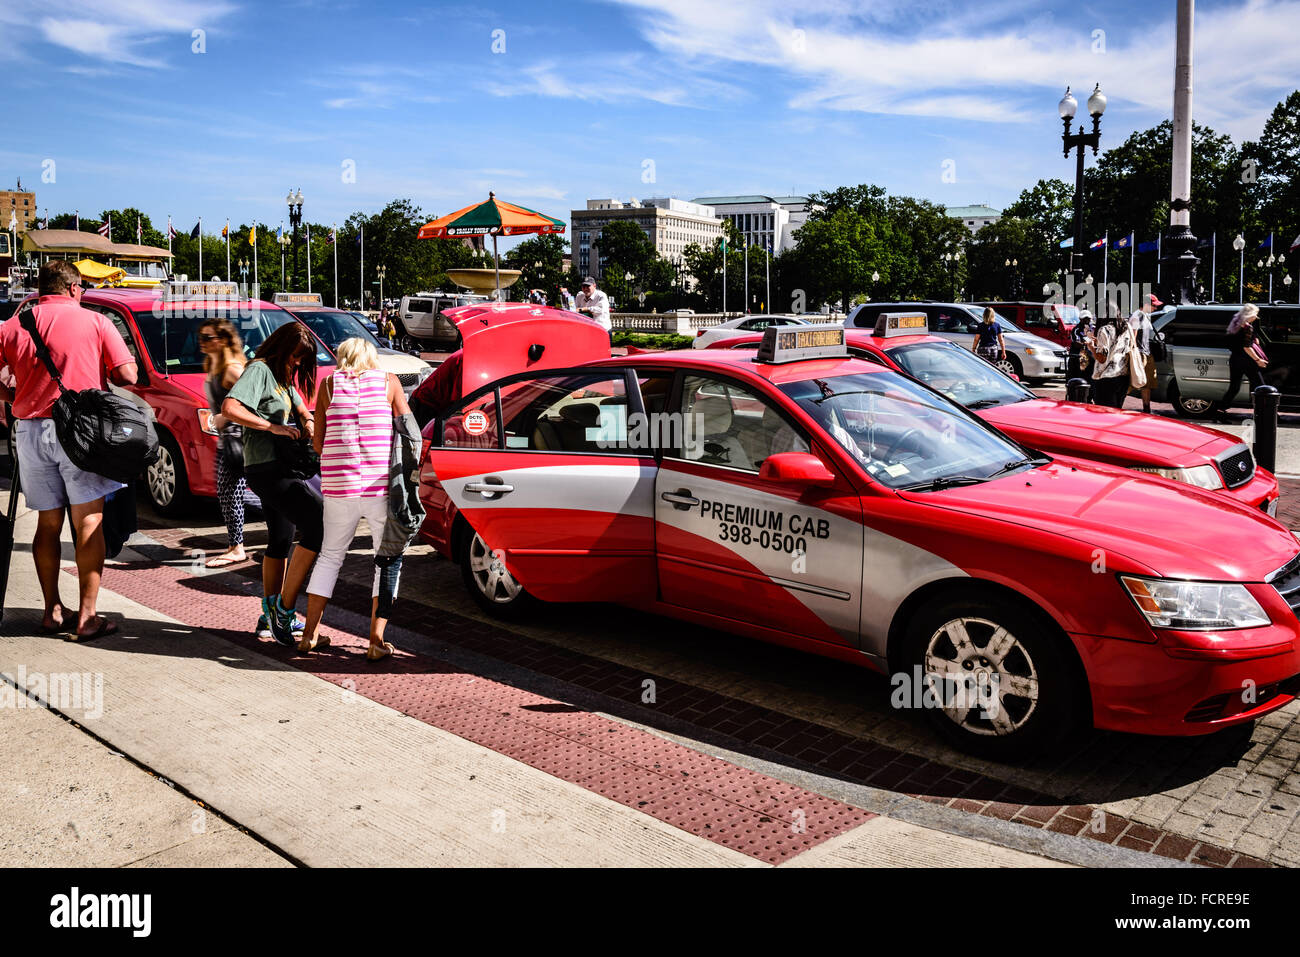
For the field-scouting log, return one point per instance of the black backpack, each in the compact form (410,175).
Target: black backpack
(101,432)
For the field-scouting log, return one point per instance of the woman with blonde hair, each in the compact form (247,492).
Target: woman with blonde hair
(988,342)
(223,363)
(355,409)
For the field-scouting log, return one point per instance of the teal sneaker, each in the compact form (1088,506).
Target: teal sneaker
(282,621)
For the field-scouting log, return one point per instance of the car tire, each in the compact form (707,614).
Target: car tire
(167,479)
(491,586)
(1010,366)
(1039,704)
(1191,408)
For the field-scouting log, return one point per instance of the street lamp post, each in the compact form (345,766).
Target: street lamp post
(380,273)
(243,272)
(1014,265)
(1239,244)
(953,260)
(294,201)
(1286,281)
(1067,108)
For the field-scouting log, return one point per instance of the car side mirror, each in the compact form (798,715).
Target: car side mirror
(972,327)
(796,468)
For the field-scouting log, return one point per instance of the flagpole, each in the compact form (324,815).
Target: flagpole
(1132,251)
(256,278)
(1241,278)
(1214,266)
(279,238)
(334,231)
(169,235)
(724,278)
(309,257)
(200,249)
(1158,255)
(745,310)
(767,279)
(362,238)
(1105,262)
(1270,268)
(227,249)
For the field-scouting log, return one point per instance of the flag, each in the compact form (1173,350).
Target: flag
(1124,242)
(252,235)
(1205,243)
(225,230)
(76,217)
(139,230)
(1295,245)
(13,220)
(106,227)
(279,233)
(1149,247)
(1067,243)
(194,233)
(359,235)
(1268,243)
(334,235)
(171,230)
(1098,244)
(45,223)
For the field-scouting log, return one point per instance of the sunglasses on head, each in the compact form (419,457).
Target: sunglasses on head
(207,336)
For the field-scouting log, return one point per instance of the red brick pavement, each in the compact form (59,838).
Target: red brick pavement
(749,726)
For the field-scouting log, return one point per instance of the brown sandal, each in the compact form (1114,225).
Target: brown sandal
(379,652)
(322,641)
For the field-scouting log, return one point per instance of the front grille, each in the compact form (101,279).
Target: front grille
(408,380)
(1237,466)
(1207,710)
(1287,582)
(1229,703)
(1063,354)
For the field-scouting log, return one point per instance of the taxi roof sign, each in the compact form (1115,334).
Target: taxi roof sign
(792,343)
(177,290)
(298,299)
(902,324)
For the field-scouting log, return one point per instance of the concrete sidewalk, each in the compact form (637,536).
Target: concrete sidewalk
(320,774)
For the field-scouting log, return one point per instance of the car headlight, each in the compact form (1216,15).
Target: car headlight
(424,373)
(1202,476)
(205,421)
(1194,606)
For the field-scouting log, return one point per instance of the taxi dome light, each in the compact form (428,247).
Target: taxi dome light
(792,343)
(298,299)
(901,324)
(177,290)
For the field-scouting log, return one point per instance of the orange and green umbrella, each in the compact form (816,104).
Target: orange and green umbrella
(493,218)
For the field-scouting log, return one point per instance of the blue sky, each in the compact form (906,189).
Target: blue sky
(721,96)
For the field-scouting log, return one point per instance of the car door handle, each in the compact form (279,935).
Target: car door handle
(682,499)
(490,487)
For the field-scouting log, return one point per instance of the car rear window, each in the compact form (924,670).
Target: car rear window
(171,336)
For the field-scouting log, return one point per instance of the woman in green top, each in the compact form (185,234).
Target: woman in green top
(267,401)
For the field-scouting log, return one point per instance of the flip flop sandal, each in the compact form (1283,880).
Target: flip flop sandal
(322,641)
(106,627)
(383,650)
(223,562)
(56,629)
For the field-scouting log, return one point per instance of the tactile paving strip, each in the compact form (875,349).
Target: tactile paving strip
(732,806)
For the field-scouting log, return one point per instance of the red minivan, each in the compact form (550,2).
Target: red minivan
(1050,320)
(161,328)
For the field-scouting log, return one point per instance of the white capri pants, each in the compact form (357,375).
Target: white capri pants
(341,517)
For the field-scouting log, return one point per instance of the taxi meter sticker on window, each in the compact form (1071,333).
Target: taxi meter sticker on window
(767,528)
(476,422)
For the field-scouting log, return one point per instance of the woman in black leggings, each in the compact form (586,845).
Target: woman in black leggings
(267,401)
(1246,357)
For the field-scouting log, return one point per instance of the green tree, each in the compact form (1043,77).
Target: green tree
(541,260)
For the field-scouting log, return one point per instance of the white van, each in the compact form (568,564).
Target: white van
(420,322)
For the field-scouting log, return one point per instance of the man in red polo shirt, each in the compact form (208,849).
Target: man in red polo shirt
(88,352)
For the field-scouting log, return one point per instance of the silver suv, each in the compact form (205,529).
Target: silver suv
(1029,357)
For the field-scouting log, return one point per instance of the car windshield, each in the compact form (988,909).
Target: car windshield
(177,350)
(904,435)
(959,374)
(333,327)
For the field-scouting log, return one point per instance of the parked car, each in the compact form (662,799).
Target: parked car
(1180,451)
(420,322)
(332,326)
(1193,376)
(738,327)
(1050,320)
(1028,356)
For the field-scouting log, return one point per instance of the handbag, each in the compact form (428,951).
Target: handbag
(296,457)
(1137,373)
(1258,352)
(231,448)
(100,432)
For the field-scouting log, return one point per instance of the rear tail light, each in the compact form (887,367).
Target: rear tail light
(698,333)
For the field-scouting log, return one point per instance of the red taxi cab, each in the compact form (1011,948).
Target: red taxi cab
(1196,455)
(161,329)
(828,503)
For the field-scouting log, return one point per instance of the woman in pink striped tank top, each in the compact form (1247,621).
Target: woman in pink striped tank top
(355,408)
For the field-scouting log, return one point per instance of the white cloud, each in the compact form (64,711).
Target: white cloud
(981,61)
(121,32)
